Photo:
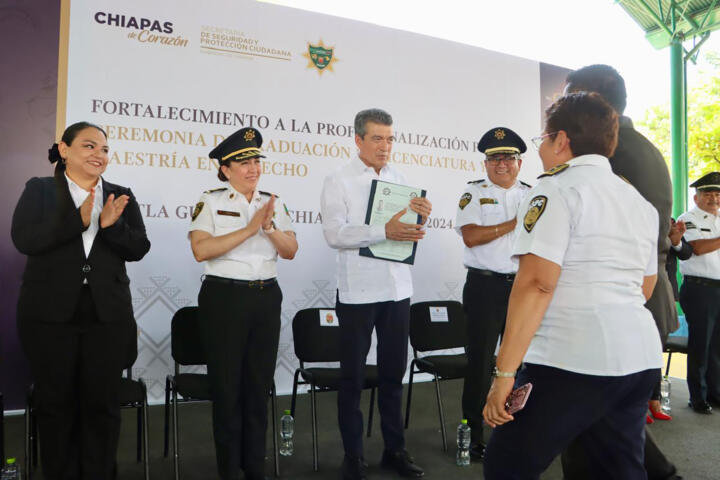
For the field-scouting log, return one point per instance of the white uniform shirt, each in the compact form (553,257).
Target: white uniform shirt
(79,195)
(485,203)
(343,204)
(603,234)
(223,211)
(701,225)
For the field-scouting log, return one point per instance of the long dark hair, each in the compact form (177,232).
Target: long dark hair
(68,136)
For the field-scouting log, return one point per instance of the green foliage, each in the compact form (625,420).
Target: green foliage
(703,121)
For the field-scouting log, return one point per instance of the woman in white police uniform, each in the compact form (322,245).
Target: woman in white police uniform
(586,242)
(239,232)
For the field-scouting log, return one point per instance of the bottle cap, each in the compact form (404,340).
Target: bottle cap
(287,412)
(10,461)
(464,421)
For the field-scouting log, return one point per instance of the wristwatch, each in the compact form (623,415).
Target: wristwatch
(500,374)
(271,229)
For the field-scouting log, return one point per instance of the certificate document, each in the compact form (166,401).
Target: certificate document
(387,199)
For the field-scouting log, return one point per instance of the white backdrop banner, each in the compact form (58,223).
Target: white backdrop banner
(170,79)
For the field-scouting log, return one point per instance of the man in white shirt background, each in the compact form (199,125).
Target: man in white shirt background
(372,293)
(700,294)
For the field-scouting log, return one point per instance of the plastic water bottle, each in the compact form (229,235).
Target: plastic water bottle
(287,429)
(462,459)
(10,471)
(665,394)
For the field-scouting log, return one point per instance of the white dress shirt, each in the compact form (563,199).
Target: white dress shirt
(343,205)
(701,225)
(485,203)
(225,210)
(603,234)
(79,195)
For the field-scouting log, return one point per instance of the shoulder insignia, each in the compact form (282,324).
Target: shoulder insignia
(555,170)
(266,193)
(464,200)
(526,184)
(535,210)
(476,181)
(196,211)
(690,225)
(221,189)
(488,201)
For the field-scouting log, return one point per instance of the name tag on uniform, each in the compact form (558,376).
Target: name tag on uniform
(705,230)
(229,214)
(488,201)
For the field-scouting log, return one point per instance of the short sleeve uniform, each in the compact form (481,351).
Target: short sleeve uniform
(603,234)
(224,211)
(701,225)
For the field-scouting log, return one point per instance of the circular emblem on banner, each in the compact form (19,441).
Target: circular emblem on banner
(535,210)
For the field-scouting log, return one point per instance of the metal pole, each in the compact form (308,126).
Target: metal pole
(677,127)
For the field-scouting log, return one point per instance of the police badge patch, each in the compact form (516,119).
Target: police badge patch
(535,210)
(198,208)
(464,200)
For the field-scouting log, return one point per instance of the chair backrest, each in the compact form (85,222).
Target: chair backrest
(437,331)
(187,342)
(314,342)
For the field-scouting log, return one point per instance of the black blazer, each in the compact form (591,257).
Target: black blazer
(684,253)
(47,227)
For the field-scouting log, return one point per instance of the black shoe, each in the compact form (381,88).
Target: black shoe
(353,468)
(402,463)
(477,450)
(715,402)
(701,407)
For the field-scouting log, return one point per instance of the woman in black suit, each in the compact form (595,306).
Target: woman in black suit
(75,316)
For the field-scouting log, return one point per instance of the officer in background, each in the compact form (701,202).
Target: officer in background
(700,294)
(239,232)
(486,219)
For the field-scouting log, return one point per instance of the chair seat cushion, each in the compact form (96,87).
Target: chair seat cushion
(329,378)
(131,391)
(193,386)
(676,344)
(446,366)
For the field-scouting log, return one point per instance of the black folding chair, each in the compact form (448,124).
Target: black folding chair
(428,335)
(187,349)
(317,343)
(675,344)
(133,394)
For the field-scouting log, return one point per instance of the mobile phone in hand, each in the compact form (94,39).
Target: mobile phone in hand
(517,398)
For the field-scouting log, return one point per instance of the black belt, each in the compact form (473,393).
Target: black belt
(708,282)
(242,283)
(510,277)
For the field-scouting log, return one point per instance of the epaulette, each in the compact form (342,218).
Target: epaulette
(221,189)
(555,170)
(476,181)
(267,193)
(526,184)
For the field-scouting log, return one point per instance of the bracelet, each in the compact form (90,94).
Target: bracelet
(269,230)
(500,374)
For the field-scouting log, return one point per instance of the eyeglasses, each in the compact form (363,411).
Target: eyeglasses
(506,158)
(537,141)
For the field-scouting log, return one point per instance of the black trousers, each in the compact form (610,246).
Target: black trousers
(485,300)
(701,304)
(391,321)
(606,414)
(242,330)
(77,368)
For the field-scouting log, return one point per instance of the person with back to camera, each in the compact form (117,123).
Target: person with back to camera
(239,231)
(576,318)
(75,315)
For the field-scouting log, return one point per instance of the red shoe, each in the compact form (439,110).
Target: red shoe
(660,415)
(648,420)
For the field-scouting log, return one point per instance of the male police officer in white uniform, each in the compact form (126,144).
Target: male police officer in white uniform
(239,232)
(486,219)
(700,294)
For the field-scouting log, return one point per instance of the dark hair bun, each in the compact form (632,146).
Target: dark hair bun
(54,154)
